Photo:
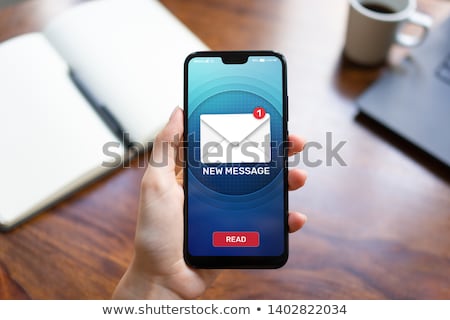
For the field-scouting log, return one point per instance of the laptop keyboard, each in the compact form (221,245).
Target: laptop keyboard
(443,71)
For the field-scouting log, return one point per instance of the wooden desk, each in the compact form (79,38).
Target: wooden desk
(378,228)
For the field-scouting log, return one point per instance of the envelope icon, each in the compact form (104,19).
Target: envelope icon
(234,138)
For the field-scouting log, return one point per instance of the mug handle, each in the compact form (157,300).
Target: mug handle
(420,19)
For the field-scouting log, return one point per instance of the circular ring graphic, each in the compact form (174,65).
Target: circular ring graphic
(235,177)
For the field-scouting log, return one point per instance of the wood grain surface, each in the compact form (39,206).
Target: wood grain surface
(378,228)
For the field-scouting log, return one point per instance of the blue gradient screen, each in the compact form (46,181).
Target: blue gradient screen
(235,174)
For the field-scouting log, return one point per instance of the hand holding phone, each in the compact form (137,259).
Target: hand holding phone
(158,270)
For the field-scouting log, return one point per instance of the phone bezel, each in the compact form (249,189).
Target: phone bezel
(237,262)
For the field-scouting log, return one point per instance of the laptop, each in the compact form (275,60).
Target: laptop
(413,99)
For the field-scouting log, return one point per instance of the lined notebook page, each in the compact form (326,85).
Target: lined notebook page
(51,139)
(130,54)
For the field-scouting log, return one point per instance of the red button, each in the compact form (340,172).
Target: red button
(235,239)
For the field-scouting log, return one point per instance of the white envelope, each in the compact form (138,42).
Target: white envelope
(234,138)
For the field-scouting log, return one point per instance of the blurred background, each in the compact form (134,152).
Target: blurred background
(378,227)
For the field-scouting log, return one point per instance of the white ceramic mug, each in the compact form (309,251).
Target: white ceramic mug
(374,25)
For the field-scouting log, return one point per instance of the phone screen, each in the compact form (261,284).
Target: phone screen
(235,180)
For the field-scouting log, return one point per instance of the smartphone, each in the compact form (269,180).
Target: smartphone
(235,179)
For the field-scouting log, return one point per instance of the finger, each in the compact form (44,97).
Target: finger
(296,221)
(295,144)
(180,153)
(296,179)
(180,159)
(167,142)
(180,177)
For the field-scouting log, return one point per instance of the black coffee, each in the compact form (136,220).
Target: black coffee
(380,8)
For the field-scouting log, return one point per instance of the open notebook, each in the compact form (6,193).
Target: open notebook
(97,71)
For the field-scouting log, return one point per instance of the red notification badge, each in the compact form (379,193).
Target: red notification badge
(259,112)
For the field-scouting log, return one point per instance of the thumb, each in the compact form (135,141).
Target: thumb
(166,145)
